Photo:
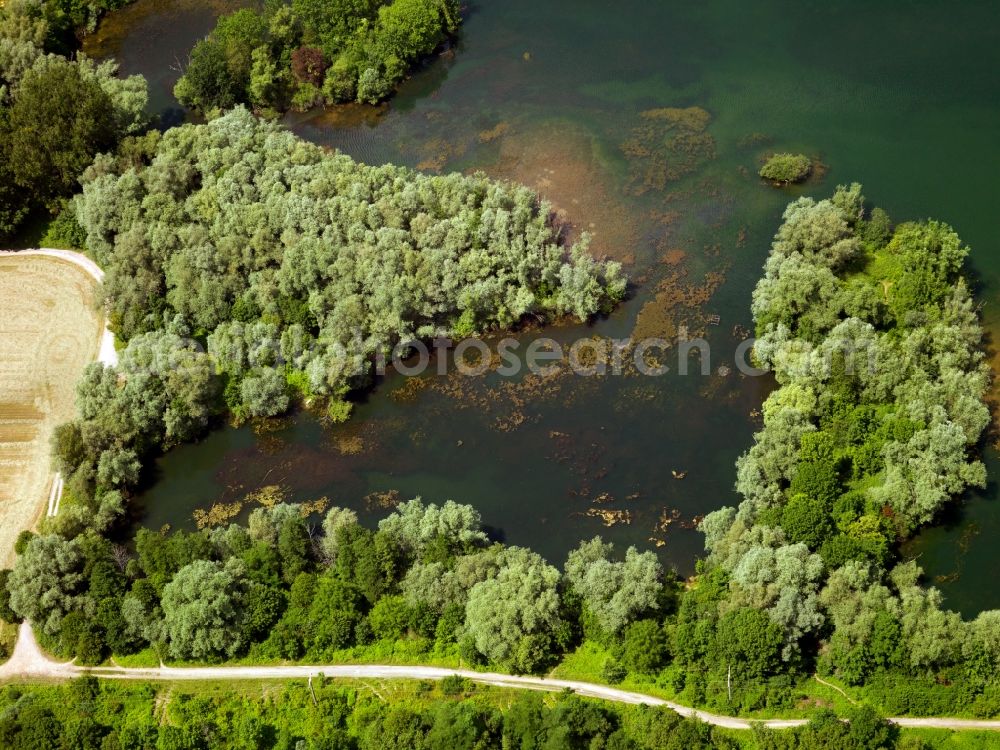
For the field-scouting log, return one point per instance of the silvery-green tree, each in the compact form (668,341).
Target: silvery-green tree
(512,615)
(201,610)
(615,592)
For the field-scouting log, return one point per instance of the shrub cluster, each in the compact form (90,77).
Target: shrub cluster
(786,168)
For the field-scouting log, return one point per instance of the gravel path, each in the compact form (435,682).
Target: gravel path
(28,662)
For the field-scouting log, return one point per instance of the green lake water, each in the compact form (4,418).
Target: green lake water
(904,98)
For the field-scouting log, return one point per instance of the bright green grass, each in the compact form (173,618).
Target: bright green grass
(405,651)
(946,739)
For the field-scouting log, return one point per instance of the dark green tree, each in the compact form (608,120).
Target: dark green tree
(208,81)
(749,642)
(57,123)
(644,648)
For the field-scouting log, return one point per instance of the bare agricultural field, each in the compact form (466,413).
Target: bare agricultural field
(50,330)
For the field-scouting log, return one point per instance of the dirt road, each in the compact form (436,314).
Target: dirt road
(28,662)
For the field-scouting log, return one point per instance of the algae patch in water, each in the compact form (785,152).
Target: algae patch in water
(268,496)
(382,500)
(678,303)
(505,404)
(350,446)
(488,136)
(667,145)
(217,515)
(221,513)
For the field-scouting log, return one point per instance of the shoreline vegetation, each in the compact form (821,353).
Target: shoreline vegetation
(872,335)
(61,22)
(803,578)
(44,144)
(295,268)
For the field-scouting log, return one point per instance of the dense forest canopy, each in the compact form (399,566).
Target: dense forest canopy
(56,114)
(312,52)
(273,248)
(322,714)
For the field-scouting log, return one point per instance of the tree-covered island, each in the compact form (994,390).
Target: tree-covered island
(314,52)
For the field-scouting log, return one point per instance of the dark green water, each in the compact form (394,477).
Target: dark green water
(902,98)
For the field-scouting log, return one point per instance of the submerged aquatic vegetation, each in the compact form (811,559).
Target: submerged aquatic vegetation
(669,144)
(217,515)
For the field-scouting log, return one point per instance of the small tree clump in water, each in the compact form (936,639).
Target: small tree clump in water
(786,168)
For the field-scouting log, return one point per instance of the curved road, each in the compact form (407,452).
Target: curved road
(28,662)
